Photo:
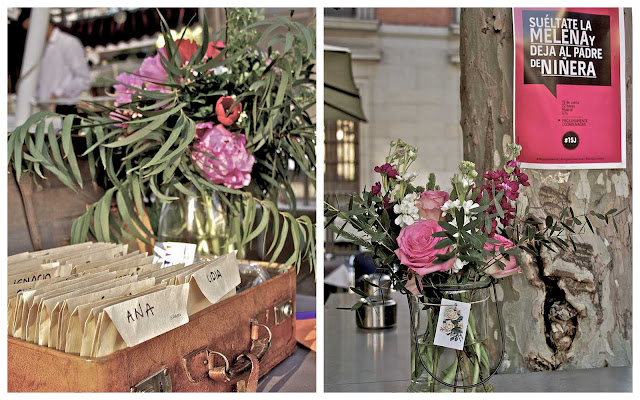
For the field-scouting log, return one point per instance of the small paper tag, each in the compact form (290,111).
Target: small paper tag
(171,253)
(452,324)
(148,316)
(218,278)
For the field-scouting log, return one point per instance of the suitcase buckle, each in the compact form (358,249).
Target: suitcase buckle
(201,364)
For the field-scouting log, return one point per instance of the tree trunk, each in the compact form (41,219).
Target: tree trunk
(571,309)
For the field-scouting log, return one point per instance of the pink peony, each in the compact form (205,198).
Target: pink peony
(416,248)
(120,117)
(153,73)
(226,115)
(429,204)
(510,265)
(232,164)
(203,128)
(123,93)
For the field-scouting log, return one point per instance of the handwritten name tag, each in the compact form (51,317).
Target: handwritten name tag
(218,278)
(148,316)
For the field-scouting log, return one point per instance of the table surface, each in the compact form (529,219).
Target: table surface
(298,372)
(295,374)
(360,360)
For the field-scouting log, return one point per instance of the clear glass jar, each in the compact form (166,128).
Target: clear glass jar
(457,367)
(195,219)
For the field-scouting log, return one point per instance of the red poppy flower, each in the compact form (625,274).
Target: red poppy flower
(226,115)
(214,49)
(186,48)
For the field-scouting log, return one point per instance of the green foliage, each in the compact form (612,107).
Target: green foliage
(150,155)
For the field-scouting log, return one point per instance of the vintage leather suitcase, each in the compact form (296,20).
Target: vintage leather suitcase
(225,347)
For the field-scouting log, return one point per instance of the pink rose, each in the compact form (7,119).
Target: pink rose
(510,265)
(227,115)
(232,164)
(416,248)
(411,284)
(429,204)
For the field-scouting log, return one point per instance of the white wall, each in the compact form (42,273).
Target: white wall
(410,90)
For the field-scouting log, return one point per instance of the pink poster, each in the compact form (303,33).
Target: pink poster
(569,104)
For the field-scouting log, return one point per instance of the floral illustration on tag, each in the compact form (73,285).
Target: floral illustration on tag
(453,325)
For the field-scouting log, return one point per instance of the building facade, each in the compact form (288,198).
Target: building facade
(406,65)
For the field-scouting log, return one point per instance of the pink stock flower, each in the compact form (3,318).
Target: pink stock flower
(510,265)
(152,73)
(416,248)
(376,189)
(387,169)
(123,93)
(223,105)
(510,183)
(232,164)
(429,204)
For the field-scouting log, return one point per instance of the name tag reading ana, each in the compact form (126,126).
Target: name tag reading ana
(148,316)
(218,278)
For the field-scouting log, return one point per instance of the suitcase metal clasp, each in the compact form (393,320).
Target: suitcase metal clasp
(283,311)
(158,382)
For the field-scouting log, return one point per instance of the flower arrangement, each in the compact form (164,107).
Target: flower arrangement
(435,244)
(425,236)
(222,116)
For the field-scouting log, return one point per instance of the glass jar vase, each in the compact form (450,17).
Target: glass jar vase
(466,367)
(195,219)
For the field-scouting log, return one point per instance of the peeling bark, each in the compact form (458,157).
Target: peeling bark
(567,309)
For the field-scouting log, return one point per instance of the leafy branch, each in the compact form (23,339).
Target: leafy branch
(144,148)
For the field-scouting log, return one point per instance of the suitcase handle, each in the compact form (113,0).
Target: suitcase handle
(242,363)
(259,348)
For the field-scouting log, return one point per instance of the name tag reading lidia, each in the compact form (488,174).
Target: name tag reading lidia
(218,278)
(148,316)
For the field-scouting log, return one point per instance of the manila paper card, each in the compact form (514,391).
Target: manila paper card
(148,316)
(213,282)
(171,253)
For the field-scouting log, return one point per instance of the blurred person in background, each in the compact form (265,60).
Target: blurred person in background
(64,72)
